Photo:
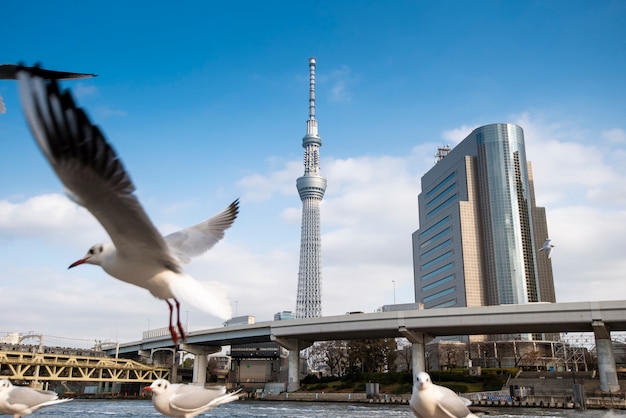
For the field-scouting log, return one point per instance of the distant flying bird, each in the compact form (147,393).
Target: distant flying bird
(186,401)
(433,401)
(9,72)
(20,400)
(95,178)
(547,247)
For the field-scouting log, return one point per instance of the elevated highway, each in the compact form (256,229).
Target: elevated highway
(419,326)
(503,319)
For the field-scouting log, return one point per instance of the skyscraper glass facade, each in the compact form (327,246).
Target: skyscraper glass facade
(478,239)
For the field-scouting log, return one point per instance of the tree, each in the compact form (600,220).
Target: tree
(405,358)
(337,357)
(330,356)
(372,355)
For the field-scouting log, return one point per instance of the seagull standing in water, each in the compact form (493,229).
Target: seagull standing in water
(19,401)
(187,401)
(94,177)
(547,247)
(433,401)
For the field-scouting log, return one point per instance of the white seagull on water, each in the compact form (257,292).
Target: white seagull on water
(187,401)
(547,247)
(433,401)
(95,178)
(20,400)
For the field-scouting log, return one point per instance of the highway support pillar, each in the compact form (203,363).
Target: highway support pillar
(200,361)
(418,341)
(174,371)
(294,346)
(606,358)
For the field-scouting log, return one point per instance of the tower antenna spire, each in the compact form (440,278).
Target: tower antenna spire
(311,123)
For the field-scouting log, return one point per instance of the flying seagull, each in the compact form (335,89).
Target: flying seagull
(9,72)
(20,400)
(94,177)
(433,401)
(187,401)
(547,247)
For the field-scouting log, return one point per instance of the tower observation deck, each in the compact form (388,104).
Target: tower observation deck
(311,187)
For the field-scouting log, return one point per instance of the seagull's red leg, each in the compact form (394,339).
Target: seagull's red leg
(172,330)
(180,326)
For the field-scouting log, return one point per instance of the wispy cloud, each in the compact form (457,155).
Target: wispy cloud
(104,112)
(339,81)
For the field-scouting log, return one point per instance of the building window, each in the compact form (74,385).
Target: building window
(435,238)
(437,248)
(441,195)
(442,205)
(441,184)
(445,304)
(439,294)
(436,260)
(436,272)
(437,283)
(434,227)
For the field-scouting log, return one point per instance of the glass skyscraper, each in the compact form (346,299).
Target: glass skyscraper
(480,229)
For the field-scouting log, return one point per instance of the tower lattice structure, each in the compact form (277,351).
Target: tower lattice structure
(311,187)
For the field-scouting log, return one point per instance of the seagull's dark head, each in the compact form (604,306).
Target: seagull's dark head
(5,385)
(158,386)
(95,255)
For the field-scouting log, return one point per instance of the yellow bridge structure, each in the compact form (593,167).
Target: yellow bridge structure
(34,367)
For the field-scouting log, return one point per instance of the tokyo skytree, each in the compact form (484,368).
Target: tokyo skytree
(311,187)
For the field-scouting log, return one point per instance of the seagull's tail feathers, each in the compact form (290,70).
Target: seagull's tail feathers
(209,297)
(229,397)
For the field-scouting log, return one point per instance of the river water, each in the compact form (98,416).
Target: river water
(277,409)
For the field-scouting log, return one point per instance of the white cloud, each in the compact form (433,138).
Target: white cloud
(456,135)
(82,90)
(104,112)
(259,187)
(615,136)
(50,217)
(339,81)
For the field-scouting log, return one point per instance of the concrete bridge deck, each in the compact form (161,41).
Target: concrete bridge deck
(418,326)
(503,319)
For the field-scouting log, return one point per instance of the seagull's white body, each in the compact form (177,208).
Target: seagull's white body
(186,401)
(433,401)
(547,247)
(19,401)
(95,178)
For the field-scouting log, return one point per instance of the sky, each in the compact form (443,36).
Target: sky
(207,101)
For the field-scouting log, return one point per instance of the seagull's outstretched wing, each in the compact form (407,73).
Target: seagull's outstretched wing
(198,239)
(89,168)
(201,400)
(29,400)
(9,72)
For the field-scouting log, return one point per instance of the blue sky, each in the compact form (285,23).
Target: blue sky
(207,101)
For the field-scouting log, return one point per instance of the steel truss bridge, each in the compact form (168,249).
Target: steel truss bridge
(29,366)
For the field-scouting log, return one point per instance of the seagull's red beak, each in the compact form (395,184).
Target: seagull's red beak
(77,263)
(148,388)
